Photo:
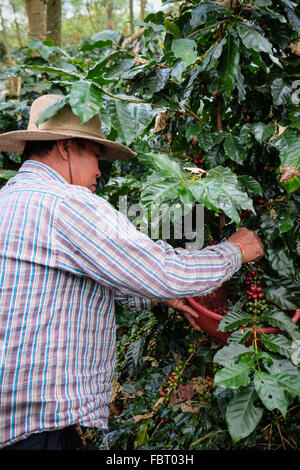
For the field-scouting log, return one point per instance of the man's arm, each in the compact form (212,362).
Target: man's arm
(95,240)
(251,248)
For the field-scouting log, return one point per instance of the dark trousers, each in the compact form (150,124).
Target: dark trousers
(62,439)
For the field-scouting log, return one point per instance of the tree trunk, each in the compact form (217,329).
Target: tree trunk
(6,43)
(36,13)
(14,88)
(54,12)
(13,6)
(142,9)
(90,17)
(110,16)
(131,18)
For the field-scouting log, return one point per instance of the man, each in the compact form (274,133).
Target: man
(66,255)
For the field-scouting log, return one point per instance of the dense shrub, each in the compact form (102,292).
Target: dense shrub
(209,100)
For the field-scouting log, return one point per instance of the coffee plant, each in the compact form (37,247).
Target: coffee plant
(208,98)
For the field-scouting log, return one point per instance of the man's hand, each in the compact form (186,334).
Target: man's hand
(252,244)
(182,306)
(253,251)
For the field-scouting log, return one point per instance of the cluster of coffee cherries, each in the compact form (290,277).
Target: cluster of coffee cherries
(173,380)
(255,293)
(209,379)
(199,161)
(268,169)
(221,310)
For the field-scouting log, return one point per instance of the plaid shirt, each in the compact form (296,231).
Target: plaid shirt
(66,256)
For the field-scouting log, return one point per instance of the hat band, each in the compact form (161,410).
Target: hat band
(66,130)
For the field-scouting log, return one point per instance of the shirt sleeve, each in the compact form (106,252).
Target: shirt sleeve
(95,240)
(135,304)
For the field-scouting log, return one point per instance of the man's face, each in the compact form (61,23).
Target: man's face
(84,164)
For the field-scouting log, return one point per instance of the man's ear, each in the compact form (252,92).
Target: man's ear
(63,148)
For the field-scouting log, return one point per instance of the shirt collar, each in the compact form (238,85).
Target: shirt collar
(41,170)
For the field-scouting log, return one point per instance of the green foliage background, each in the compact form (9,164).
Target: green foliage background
(221,83)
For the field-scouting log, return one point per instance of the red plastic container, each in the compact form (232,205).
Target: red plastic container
(209,321)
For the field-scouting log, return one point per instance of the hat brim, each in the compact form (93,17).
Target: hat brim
(14,141)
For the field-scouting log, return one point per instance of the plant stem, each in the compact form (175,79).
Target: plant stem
(129,100)
(255,331)
(189,111)
(124,50)
(281,436)
(203,29)
(156,149)
(219,113)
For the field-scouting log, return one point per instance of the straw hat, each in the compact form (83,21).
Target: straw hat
(64,125)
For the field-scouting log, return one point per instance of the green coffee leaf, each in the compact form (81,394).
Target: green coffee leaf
(117,69)
(285,294)
(57,71)
(292,16)
(221,190)
(250,183)
(156,27)
(233,319)
(205,138)
(142,436)
(252,39)
(106,35)
(135,351)
(276,343)
(263,131)
(295,353)
(34,44)
(215,156)
(241,415)
(280,258)
(281,93)
(283,365)
(130,120)
(97,44)
(7,174)
(239,336)
(240,85)
(280,320)
(263,3)
(229,354)
(286,222)
(229,64)
(52,109)
(99,68)
(257,60)
(233,376)
(158,190)
(288,382)
(85,100)
(270,392)
(186,50)
(185,196)
(172,28)
(210,60)
(161,163)
(235,149)
(207,12)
